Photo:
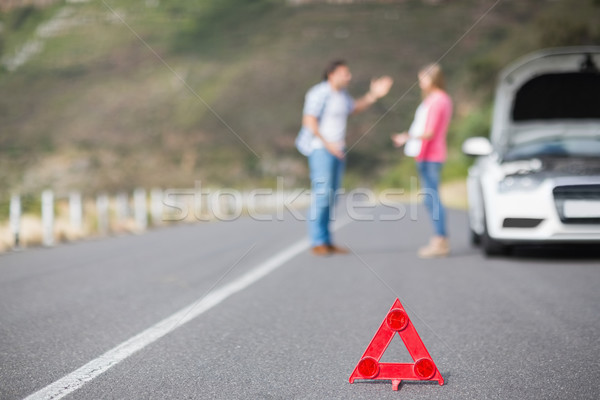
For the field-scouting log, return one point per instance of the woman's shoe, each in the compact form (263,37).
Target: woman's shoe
(438,247)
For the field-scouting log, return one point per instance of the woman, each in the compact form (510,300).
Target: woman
(426,141)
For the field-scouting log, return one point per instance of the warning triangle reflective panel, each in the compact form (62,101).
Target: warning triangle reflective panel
(421,369)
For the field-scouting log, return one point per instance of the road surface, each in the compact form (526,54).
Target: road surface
(241,310)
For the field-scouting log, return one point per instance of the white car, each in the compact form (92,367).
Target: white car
(537,179)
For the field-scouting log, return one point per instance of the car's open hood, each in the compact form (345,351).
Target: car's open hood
(554,92)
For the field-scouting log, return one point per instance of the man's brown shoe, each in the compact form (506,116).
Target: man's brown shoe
(322,250)
(338,250)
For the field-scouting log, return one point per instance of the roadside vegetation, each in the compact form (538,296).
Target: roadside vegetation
(162,93)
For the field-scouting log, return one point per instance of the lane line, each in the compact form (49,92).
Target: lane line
(94,368)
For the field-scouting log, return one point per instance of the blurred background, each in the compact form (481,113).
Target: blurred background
(112,95)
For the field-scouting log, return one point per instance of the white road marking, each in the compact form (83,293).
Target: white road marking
(94,368)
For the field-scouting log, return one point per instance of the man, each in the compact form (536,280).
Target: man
(326,109)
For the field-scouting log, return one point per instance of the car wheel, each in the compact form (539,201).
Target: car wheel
(474,238)
(492,247)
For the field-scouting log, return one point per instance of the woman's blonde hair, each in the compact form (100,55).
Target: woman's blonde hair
(434,71)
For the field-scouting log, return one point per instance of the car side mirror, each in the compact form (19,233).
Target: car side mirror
(477,147)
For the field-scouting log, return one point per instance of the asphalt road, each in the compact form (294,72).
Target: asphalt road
(525,327)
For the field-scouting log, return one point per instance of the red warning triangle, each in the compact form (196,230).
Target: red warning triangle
(422,369)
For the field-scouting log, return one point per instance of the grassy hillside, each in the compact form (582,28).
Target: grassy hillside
(119,94)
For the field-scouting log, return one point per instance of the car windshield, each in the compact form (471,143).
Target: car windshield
(563,147)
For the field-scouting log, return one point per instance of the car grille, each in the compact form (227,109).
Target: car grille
(521,222)
(578,204)
(586,167)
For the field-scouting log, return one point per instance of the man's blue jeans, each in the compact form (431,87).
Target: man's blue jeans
(429,175)
(326,172)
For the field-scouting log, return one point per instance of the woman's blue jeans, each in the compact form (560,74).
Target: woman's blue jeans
(326,173)
(429,175)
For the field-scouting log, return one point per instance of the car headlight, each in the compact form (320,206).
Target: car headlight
(511,183)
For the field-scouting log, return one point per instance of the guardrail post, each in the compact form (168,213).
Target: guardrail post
(15,219)
(48,218)
(122,207)
(156,206)
(102,213)
(76,211)
(140,208)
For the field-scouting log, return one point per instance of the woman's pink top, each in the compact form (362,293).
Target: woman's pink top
(439,112)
